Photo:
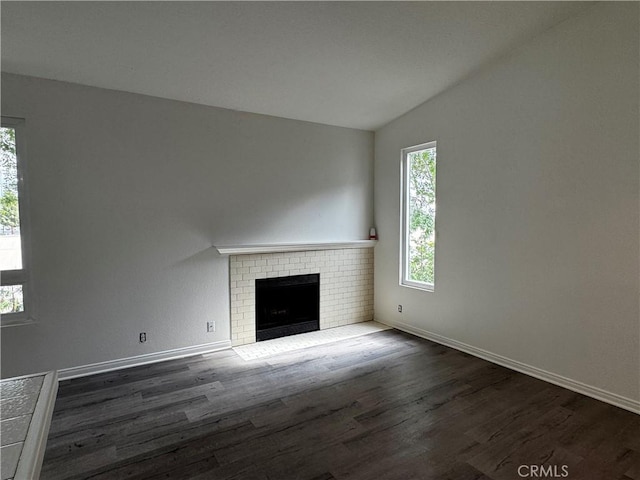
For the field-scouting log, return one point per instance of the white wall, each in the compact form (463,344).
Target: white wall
(537,248)
(129,192)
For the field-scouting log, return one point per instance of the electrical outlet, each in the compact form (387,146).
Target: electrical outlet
(400,308)
(211,326)
(143,337)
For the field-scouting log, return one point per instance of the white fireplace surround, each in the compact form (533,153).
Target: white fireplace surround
(346,280)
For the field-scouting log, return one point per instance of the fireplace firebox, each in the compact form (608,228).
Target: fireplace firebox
(287,306)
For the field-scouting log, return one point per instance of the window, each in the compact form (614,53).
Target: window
(419,216)
(13,268)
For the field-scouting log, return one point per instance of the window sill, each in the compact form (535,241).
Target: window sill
(418,286)
(15,321)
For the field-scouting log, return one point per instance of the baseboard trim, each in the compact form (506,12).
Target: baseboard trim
(579,387)
(111,365)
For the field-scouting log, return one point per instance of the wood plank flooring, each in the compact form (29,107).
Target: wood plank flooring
(382,406)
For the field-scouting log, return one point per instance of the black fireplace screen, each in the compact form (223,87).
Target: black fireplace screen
(287,305)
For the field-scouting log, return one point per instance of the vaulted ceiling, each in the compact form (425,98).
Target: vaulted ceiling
(353,64)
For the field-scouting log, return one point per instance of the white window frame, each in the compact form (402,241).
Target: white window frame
(404,221)
(19,277)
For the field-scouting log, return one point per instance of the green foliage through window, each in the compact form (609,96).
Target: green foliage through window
(421,239)
(11,296)
(9,210)
(11,299)
(9,216)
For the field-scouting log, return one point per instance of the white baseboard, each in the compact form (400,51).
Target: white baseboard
(102,367)
(588,390)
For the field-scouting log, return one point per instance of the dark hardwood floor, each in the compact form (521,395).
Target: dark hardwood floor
(382,406)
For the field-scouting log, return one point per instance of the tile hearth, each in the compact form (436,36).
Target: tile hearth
(268,348)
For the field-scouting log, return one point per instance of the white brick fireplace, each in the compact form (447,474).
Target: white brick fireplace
(346,280)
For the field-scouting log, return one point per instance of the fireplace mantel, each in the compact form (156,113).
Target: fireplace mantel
(291,247)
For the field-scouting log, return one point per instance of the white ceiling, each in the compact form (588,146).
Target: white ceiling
(352,64)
